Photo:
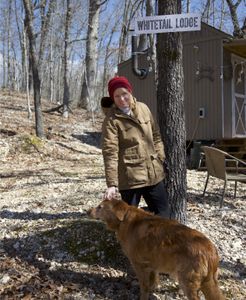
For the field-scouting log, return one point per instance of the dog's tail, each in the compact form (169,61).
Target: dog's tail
(209,286)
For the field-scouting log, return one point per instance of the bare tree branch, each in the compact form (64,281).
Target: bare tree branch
(238,32)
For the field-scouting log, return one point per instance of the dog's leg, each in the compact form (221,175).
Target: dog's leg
(145,279)
(153,279)
(211,289)
(190,284)
(144,288)
(190,292)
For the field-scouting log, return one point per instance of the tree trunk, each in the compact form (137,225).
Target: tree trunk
(107,55)
(4,66)
(88,86)
(143,38)
(66,93)
(4,50)
(51,70)
(21,29)
(85,97)
(188,6)
(130,10)
(37,97)
(9,72)
(45,24)
(170,107)
(238,32)
(29,111)
(35,72)
(150,11)
(206,12)
(222,15)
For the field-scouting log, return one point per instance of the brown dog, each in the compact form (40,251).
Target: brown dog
(154,245)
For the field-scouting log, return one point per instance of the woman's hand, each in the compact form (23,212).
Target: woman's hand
(110,193)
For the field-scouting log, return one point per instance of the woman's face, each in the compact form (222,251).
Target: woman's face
(122,98)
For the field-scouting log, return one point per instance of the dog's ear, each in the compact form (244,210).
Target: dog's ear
(120,215)
(120,209)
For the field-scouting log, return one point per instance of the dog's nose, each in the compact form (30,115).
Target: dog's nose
(89,211)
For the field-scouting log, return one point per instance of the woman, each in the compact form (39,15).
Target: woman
(132,149)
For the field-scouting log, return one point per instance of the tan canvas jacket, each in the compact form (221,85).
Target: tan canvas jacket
(132,148)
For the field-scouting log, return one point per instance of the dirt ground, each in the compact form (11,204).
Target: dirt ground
(50,249)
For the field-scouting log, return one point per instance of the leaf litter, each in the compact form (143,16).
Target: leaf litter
(50,249)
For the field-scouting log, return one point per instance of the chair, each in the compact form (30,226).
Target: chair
(216,163)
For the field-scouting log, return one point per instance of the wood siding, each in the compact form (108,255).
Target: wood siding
(227,89)
(205,88)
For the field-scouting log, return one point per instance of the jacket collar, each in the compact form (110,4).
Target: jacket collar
(108,107)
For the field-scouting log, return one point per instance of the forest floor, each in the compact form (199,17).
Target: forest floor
(50,249)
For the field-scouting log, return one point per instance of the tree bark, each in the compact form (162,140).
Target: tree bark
(9,78)
(45,23)
(29,111)
(206,11)
(66,93)
(21,33)
(238,32)
(188,6)
(35,72)
(222,15)
(4,65)
(143,38)
(170,107)
(130,10)
(106,57)
(88,86)
(123,35)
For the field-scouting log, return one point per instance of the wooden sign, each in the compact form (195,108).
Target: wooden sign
(168,23)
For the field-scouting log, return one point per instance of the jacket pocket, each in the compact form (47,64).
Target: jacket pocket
(135,166)
(136,173)
(132,154)
(157,166)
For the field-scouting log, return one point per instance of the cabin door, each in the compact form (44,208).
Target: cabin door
(239,97)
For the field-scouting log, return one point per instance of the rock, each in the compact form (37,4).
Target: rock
(4,279)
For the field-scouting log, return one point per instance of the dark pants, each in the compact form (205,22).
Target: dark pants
(155,196)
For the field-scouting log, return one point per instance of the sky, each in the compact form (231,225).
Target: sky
(113,5)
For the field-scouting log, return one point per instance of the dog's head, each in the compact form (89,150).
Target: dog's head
(112,212)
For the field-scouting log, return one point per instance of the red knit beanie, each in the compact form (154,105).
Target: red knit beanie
(118,82)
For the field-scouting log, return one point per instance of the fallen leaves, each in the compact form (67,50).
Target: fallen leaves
(49,249)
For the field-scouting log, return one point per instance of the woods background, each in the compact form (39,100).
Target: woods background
(75,45)
(66,50)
